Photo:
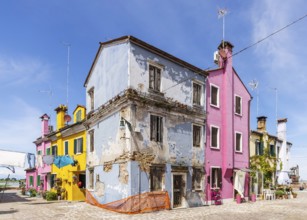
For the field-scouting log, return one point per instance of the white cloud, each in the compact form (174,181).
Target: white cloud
(21,71)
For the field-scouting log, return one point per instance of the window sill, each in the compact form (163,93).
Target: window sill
(214,148)
(215,106)
(239,152)
(155,92)
(197,190)
(237,114)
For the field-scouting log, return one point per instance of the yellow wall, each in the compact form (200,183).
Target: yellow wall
(72,191)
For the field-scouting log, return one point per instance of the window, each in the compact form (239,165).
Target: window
(272,150)
(91,138)
(91,178)
(54,150)
(156,174)
(238,105)
(66,148)
(78,115)
(216,177)
(39,152)
(82,179)
(78,146)
(196,93)
(214,100)
(278,150)
(38,180)
(154,78)
(156,128)
(91,97)
(197,179)
(48,151)
(238,142)
(215,136)
(52,180)
(196,135)
(257,146)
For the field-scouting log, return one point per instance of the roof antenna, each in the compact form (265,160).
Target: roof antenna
(254,85)
(67,72)
(221,14)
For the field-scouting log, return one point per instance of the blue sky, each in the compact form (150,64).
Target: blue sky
(33,57)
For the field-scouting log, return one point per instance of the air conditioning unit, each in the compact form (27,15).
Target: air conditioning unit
(216,57)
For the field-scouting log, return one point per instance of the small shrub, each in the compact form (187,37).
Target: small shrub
(279,193)
(32,192)
(51,196)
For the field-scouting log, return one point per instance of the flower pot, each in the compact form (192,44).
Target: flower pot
(253,197)
(238,198)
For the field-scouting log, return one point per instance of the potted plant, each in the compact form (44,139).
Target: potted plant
(294,194)
(279,194)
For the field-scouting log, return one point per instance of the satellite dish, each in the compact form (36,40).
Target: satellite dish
(67,118)
(253,84)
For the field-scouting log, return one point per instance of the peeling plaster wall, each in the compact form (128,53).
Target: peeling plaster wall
(110,74)
(176,81)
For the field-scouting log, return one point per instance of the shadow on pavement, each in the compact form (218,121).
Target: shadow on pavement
(8,212)
(11,196)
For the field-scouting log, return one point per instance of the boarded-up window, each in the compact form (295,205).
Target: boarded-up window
(214,96)
(238,142)
(156,175)
(216,177)
(196,94)
(197,179)
(156,128)
(91,97)
(238,105)
(78,146)
(91,178)
(91,138)
(154,78)
(196,135)
(214,137)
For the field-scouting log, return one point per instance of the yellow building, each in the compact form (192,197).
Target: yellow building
(68,145)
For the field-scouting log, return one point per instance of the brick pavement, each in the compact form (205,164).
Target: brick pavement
(14,206)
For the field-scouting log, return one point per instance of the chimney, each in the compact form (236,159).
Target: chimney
(225,54)
(60,113)
(45,124)
(282,128)
(261,123)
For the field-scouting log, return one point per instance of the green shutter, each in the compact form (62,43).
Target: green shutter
(48,151)
(38,180)
(81,145)
(31,181)
(261,148)
(75,146)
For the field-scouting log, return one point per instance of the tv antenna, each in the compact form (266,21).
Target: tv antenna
(67,70)
(221,14)
(49,93)
(254,85)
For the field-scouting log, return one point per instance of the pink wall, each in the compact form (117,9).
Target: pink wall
(229,84)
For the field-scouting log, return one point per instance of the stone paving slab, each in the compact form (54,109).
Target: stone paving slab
(14,206)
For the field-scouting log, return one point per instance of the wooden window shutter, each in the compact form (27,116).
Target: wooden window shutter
(75,146)
(81,145)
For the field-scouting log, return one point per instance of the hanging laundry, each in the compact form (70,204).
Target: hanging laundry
(39,161)
(62,161)
(48,159)
(11,158)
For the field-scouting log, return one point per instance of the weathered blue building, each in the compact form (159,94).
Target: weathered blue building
(145,126)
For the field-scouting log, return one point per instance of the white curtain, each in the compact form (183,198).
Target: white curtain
(240,182)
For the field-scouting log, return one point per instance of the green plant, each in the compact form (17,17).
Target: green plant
(51,196)
(279,193)
(32,192)
(294,194)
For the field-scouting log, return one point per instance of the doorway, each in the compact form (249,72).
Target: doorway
(178,190)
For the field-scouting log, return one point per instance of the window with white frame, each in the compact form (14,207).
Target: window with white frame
(216,177)
(154,78)
(197,179)
(238,141)
(78,146)
(196,135)
(215,137)
(214,96)
(66,148)
(197,91)
(156,128)
(238,105)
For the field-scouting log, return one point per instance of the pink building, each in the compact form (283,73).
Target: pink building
(227,145)
(40,177)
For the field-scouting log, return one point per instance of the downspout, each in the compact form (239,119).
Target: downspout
(248,144)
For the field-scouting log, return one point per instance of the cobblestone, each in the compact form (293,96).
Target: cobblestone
(14,206)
